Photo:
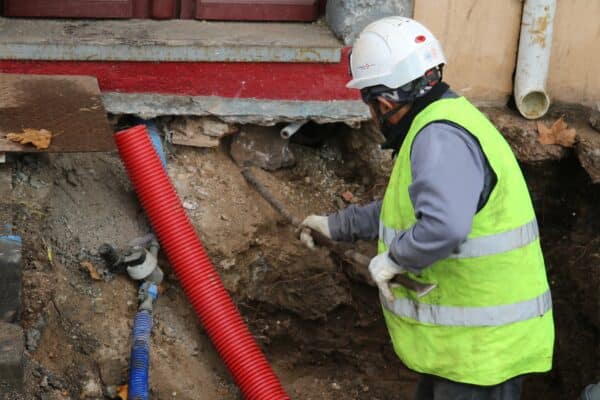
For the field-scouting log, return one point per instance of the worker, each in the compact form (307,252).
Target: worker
(456,213)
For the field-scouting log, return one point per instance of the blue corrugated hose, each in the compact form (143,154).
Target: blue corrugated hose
(155,138)
(140,356)
(142,326)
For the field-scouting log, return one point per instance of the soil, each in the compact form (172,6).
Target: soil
(317,320)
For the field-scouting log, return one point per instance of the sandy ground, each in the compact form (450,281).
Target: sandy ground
(318,323)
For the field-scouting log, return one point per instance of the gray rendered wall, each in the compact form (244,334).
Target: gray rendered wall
(347,18)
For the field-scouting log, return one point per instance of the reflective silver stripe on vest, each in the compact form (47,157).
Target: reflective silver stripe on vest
(388,234)
(482,245)
(470,316)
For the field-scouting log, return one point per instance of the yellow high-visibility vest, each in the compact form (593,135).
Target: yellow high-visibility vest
(490,317)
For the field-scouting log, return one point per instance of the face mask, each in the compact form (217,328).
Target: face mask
(395,133)
(385,126)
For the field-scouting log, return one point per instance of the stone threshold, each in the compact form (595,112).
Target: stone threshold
(166,41)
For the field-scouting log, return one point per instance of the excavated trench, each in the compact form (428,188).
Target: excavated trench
(314,315)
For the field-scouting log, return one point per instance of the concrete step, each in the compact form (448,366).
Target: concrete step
(173,40)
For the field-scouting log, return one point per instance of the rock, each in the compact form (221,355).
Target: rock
(595,119)
(33,337)
(522,135)
(227,264)
(72,178)
(12,347)
(36,182)
(588,151)
(217,128)
(56,382)
(347,18)
(111,392)
(11,278)
(91,389)
(262,147)
(22,176)
(6,184)
(169,332)
(111,370)
(199,132)
(198,140)
(190,205)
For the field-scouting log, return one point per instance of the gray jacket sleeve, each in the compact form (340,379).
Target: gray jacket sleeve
(448,170)
(356,222)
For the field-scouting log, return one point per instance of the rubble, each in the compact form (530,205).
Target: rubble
(347,18)
(92,389)
(33,337)
(199,131)
(11,282)
(588,152)
(11,357)
(262,147)
(522,135)
(595,119)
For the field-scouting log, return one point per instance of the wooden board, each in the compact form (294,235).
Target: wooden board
(68,106)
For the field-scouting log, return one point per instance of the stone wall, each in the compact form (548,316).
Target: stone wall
(348,17)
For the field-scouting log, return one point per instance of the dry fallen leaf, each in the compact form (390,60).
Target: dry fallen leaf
(559,133)
(122,392)
(40,138)
(92,270)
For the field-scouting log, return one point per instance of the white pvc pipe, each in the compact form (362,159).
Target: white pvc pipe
(291,129)
(534,58)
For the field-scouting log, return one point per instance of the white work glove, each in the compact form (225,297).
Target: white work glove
(383,269)
(317,223)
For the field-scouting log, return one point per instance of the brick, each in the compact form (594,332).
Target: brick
(12,345)
(11,278)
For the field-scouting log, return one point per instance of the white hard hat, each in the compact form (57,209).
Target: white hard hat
(393,52)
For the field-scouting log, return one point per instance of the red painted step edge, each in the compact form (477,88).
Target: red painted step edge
(276,81)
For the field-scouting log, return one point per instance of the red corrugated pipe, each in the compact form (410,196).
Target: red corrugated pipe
(194,269)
